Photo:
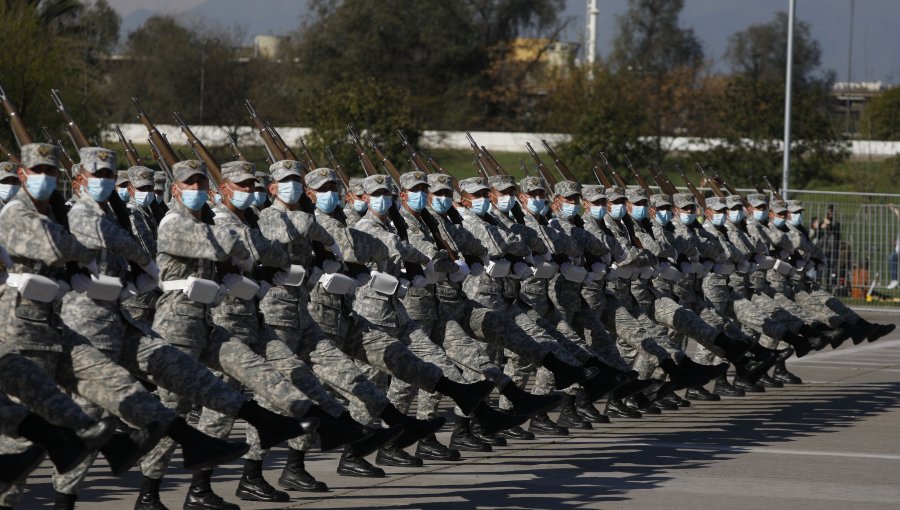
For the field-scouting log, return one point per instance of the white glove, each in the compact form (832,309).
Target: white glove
(521,270)
(5,259)
(708,265)
(336,249)
(461,272)
(565,267)
(687,267)
(598,267)
(646,272)
(660,267)
(697,267)
(230,279)
(476,269)
(264,287)
(92,267)
(245,264)
(743,267)
(80,282)
(419,281)
(145,283)
(331,266)
(128,291)
(589,278)
(151,269)
(548,256)
(799,264)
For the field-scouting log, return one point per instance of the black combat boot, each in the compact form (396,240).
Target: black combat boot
(586,410)
(678,401)
(338,431)
(516,433)
(125,448)
(479,432)
(564,374)
(801,345)
(200,495)
(466,396)
(616,408)
(526,404)
(462,438)
(16,466)
(748,386)
(413,429)
(295,477)
(781,374)
(148,498)
(766,381)
(66,447)
(542,425)
(254,487)
(725,389)
(430,448)
(701,393)
(639,402)
(64,501)
(393,455)
(357,466)
(568,416)
(200,451)
(491,420)
(273,428)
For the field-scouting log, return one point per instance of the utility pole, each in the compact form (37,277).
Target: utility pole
(788,87)
(592,13)
(849,68)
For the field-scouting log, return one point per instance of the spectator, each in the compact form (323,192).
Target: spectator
(828,238)
(894,257)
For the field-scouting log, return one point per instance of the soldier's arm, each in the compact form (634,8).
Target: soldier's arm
(181,237)
(407,252)
(26,233)
(99,232)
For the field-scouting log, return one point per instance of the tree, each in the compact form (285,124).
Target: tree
(666,58)
(881,118)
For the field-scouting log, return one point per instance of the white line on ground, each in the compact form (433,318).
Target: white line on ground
(766,450)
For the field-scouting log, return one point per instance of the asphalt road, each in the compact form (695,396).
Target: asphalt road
(833,442)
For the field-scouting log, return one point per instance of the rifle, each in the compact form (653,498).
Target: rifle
(437,167)
(64,157)
(132,157)
(200,150)
(163,152)
(524,168)
(712,183)
(163,165)
(639,178)
(701,200)
(495,165)
(274,150)
(482,164)
(9,155)
(337,167)
(75,133)
(542,168)
(666,185)
(385,163)
(598,172)
(620,182)
(414,159)
(729,187)
(235,150)
(285,148)
(368,166)
(560,165)
(310,161)
(16,123)
(773,188)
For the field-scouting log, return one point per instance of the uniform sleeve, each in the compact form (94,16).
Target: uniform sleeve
(28,234)
(406,251)
(181,237)
(100,232)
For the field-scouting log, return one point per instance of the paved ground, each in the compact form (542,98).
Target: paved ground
(831,443)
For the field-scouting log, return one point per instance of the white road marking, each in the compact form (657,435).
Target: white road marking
(764,449)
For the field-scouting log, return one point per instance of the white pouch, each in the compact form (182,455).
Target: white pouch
(384,283)
(783,267)
(34,287)
(242,288)
(294,275)
(336,283)
(671,274)
(497,268)
(104,288)
(764,262)
(724,268)
(573,273)
(201,290)
(545,270)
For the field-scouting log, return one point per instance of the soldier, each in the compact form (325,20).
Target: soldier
(143,228)
(9,182)
(356,207)
(38,242)
(261,192)
(123,182)
(159,206)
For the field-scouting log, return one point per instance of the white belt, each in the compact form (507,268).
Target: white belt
(196,289)
(34,287)
(172,285)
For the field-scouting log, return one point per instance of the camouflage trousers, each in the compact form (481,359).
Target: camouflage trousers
(642,342)
(468,354)
(826,308)
(227,354)
(11,416)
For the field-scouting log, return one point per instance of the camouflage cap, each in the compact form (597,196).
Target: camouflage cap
(635,195)
(794,206)
(239,171)
(122,177)
(715,204)
(356,186)
(159,181)
(37,154)
(440,182)
(8,169)
(286,168)
(184,170)
(374,183)
(758,199)
(263,180)
(501,182)
(615,193)
(410,180)
(567,189)
(778,206)
(593,192)
(140,176)
(660,200)
(531,183)
(683,200)
(320,177)
(95,159)
(733,201)
(473,184)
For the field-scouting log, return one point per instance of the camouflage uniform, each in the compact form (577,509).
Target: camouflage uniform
(143,227)
(8,172)
(350,211)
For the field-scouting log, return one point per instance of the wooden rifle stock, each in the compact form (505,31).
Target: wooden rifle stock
(560,165)
(9,155)
(595,166)
(310,160)
(285,148)
(414,158)
(75,132)
(274,150)
(64,158)
(773,188)
(712,183)
(639,178)
(162,147)
(132,158)
(483,165)
(385,162)
(542,168)
(337,167)
(16,123)
(235,150)
(200,150)
(368,166)
(701,200)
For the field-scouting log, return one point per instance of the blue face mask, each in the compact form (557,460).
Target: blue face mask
(536,205)
(123,194)
(504,203)
(289,191)
(160,198)
(598,211)
(327,201)
(259,198)
(380,204)
(760,215)
(360,206)
(778,222)
(480,206)
(441,205)
(144,198)
(217,198)
(639,212)
(7,191)
(194,199)
(663,217)
(718,219)
(416,200)
(687,218)
(100,189)
(40,186)
(735,216)
(241,200)
(617,211)
(796,218)
(570,210)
